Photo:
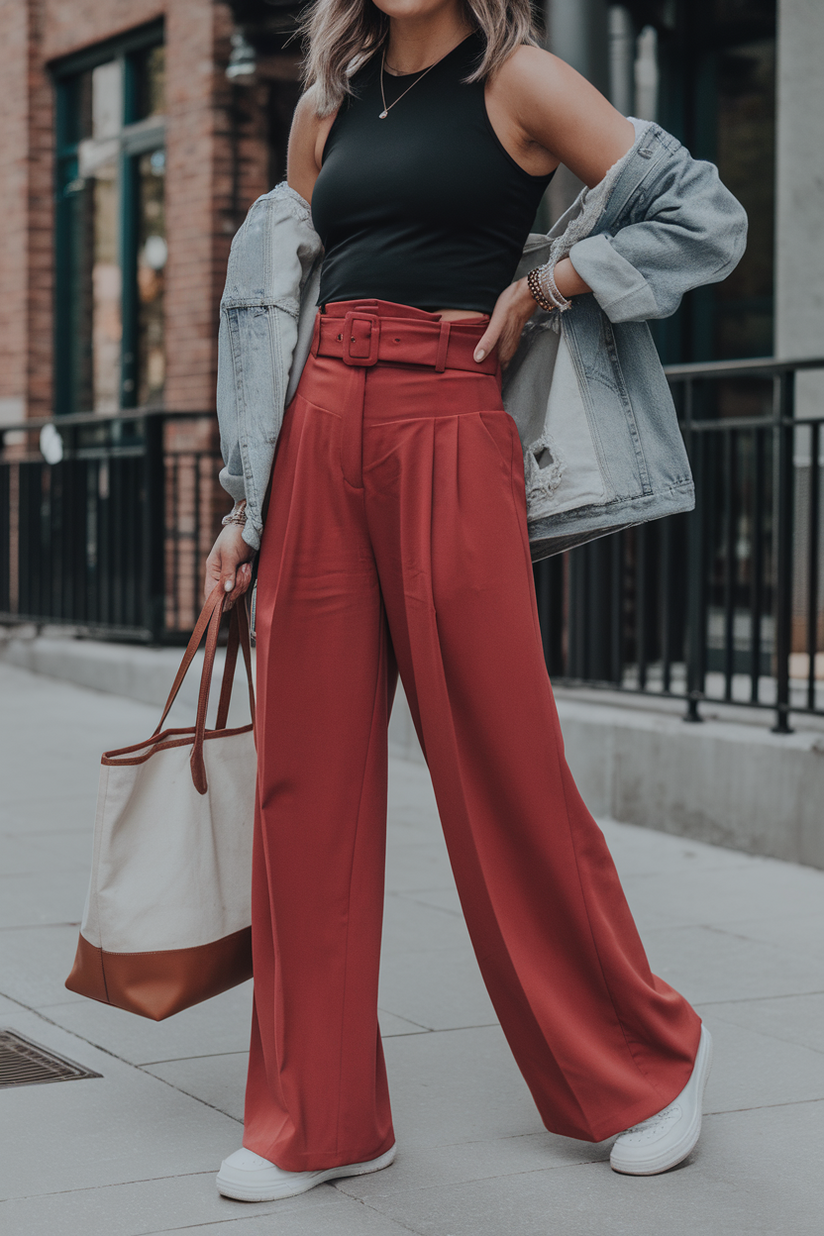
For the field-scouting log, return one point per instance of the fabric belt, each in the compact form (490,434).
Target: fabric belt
(364,339)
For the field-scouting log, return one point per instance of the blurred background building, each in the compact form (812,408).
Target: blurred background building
(134,134)
(131,158)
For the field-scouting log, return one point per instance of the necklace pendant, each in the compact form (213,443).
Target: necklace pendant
(383,115)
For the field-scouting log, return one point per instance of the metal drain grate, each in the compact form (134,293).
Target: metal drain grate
(23,1063)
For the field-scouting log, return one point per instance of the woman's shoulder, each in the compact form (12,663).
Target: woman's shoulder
(310,127)
(301,160)
(307,115)
(558,109)
(530,70)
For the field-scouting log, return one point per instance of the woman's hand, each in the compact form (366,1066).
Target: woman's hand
(229,564)
(515,306)
(513,309)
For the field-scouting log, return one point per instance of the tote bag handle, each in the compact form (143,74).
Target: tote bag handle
(238,635)
(209,623)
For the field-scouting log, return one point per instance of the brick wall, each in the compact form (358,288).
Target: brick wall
(71,25)
(40,206)
(191,100)
(219,158)
(14,25)
(218,161)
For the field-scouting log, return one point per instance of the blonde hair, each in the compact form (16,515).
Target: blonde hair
(341,35)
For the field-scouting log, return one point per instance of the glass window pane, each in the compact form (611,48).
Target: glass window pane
(151,262)
(106,325)
(107,100)
(75,306)
(76,115)
(746,160)
(97,285)
(110,347)
(149,69)
(744,10)
(94,287)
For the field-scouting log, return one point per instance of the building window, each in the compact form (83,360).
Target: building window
(716,91)
(111,233)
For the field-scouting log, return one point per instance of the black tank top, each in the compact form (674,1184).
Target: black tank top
(425,208)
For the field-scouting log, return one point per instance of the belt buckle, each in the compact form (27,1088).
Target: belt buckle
(361,336)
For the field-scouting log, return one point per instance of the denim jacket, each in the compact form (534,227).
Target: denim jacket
(602,446)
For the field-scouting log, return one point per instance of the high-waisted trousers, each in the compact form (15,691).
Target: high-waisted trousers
(396,537)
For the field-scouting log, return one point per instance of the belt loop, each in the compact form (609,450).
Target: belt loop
(316,334)
(443,347)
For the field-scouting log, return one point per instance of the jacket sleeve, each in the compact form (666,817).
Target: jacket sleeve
(272,257)
(683,229)
(231,474)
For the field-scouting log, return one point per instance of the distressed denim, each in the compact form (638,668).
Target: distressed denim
(586,389)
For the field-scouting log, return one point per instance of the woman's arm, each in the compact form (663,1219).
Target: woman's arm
(550,114)
(686,230)
(554,115)
(231,555)
(307,139)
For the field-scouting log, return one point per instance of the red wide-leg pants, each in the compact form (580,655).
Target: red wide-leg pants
(396,531)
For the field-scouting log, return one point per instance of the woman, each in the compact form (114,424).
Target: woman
(396,537)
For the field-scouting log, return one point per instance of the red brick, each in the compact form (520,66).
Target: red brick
(209,186)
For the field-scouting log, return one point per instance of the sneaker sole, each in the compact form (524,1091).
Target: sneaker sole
(231,1184)
(653,1166)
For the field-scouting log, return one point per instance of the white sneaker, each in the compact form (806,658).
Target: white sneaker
(247,1177)
(657,1144)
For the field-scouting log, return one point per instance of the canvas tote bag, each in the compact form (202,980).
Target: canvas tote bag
(167,918)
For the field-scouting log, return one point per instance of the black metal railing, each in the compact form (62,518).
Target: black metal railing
(109,536)
(726,603)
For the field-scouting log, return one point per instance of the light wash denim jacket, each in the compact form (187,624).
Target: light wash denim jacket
(602,446)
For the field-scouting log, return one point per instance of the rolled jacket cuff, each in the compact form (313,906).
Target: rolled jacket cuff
(234,485)
(251,534)
(619,288)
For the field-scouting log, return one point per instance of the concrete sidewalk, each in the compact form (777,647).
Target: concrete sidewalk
(134,1152)
(730,781)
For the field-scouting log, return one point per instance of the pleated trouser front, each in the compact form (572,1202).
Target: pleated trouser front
(396,535)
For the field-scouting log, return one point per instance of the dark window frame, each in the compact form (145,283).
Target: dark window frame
(690,44)
(136,137)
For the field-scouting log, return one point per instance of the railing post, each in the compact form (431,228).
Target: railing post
(695,566)
(5,530)
(784,412)
(758,520)
(154,526)
(616,616)
(540,575)
(813,551)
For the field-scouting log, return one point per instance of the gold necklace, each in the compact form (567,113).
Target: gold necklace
(423,73)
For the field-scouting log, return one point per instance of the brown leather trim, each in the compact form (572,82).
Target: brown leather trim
(162,742)
(87,977)
(158,984)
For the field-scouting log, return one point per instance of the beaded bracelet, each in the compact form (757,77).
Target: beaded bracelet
(546,275)
(533,280)
(237,515)
(545,290)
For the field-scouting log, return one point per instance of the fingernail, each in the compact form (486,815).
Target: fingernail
(479,354)
(227,587)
